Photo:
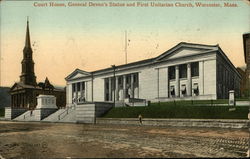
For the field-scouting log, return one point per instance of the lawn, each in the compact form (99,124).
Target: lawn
(181,109)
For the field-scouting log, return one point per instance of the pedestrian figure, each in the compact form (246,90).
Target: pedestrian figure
(140,118)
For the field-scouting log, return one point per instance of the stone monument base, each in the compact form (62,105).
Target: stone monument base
(42,113)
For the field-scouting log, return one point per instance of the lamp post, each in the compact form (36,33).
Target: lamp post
(113,66)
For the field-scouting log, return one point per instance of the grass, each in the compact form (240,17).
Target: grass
(1,112)
(180,109)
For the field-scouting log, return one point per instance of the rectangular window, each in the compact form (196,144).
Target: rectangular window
(73,87)
(135,78)
(171,72)
(183,71)
(83,85)
(195,69)
(107,85)
(172,91)
(78,86)
(196,89)
(183,89)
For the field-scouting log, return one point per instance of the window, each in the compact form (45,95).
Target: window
(196,89)
(73,87)
(83,85)
(172,91)
(78,86)
(171,72)
(195,69)
(135,78)
(183,89)
(183,71)
(106,84)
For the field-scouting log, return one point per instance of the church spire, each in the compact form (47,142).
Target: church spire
(28,75)
(27,40)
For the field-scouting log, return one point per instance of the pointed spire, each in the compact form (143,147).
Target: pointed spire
(27,40)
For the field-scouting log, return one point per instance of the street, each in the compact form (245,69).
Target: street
(50,140)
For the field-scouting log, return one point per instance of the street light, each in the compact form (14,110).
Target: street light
(113,66)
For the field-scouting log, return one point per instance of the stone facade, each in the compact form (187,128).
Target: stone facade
(187,71)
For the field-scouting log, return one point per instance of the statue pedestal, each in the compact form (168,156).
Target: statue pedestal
(231,98)
(46,105)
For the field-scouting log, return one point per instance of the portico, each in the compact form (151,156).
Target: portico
(126,86)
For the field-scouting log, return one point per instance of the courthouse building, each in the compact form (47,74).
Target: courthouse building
(186,71)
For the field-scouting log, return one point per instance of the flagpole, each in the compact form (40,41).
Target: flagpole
(126,53)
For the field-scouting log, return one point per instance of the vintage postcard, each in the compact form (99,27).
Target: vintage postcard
(124,78)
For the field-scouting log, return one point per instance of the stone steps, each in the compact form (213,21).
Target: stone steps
(26,116)
(54,117)
(70,117)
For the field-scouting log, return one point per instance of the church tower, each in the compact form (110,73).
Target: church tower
(28,75)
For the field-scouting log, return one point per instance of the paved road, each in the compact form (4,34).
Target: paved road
(19,139)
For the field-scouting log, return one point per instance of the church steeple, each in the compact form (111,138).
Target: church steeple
(27,40)
(28,75)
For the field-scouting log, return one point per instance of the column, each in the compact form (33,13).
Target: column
(177,82)
(22,104)
(124,87)
(167,82)
(116,89)
(28,101)
(201,78)
(132,85)
(69,93)
(81,90)
(189,80)
(18,102)
(72,93)
(76,92)
(25,101)
(137,85)
(11,101)
(86,90)
(110,90)
(14,100)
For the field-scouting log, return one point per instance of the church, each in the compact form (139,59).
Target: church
(187,71)
(24,93)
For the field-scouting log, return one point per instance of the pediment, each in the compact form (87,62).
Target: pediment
(184,50)
(77,74)
(16,87)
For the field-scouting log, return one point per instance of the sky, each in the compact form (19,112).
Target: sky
(92,38)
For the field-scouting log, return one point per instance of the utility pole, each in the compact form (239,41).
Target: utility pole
(126,48)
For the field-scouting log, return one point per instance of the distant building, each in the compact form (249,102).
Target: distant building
(246,45)
(186,71)
(24,93)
